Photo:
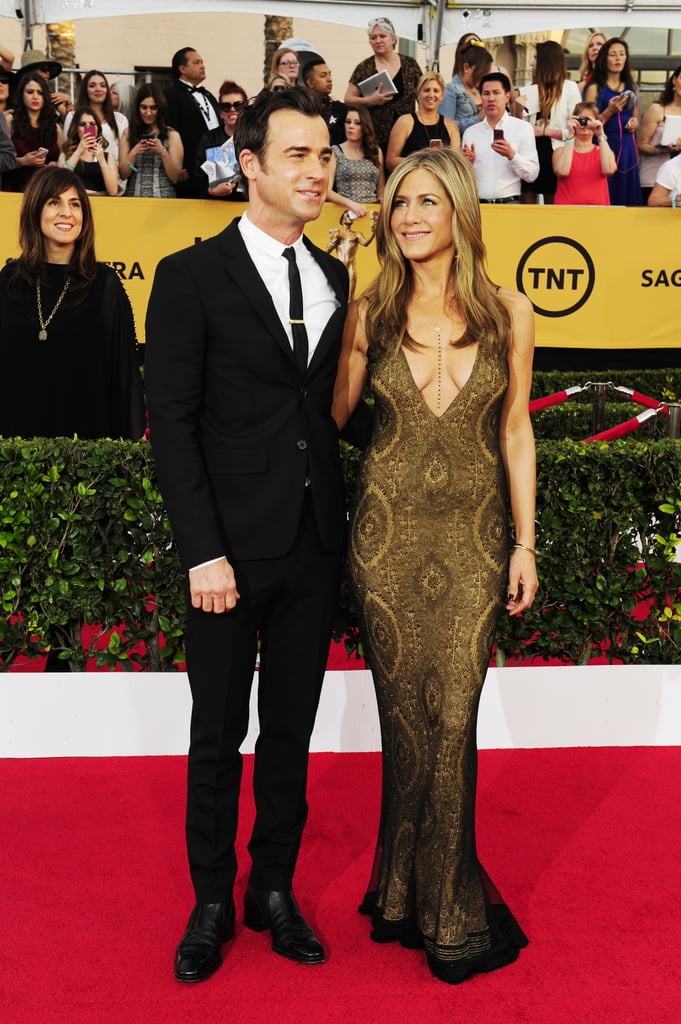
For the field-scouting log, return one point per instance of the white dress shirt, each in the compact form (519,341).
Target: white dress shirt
(319,298)
(497,177)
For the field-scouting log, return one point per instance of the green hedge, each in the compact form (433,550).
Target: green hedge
(84,541)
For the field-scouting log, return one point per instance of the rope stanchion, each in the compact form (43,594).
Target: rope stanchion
(628,427)
(537,404)
(636,396)
(653,408)
(674,421)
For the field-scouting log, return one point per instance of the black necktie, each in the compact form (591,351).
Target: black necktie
(295,310)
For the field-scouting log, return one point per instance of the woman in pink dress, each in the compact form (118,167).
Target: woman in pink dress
(585,162)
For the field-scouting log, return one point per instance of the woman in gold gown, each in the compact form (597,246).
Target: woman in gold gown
(448,356)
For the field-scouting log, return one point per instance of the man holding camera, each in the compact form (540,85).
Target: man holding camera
(501,148)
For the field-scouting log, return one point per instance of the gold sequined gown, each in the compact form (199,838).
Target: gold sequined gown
(428,564)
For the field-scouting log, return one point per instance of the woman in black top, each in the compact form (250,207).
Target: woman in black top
(425,129)
(86,153)
(34,131)
(66,324)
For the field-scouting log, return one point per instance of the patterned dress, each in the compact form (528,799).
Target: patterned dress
(428,564)
(406,80)
(151,180)
(355,179)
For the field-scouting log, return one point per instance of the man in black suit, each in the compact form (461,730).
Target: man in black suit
(192,111)
(248,463)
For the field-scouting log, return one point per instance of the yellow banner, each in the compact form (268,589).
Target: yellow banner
(598,277)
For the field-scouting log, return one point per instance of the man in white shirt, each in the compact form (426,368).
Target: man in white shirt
(501,148)
(243,338)
(667,188)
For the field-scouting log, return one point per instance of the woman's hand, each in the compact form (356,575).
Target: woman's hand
(631,125)
(522,581)
(379,98)
(221,191)
(357,208)
(36,158)
(154,146)
(596,127)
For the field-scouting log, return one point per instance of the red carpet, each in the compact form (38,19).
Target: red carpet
(583,844)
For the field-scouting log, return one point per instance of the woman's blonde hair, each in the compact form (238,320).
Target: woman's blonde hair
(430,76)
(586,67)
(469,290)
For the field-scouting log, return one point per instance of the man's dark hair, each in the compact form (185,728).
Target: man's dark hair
(252,127)
(180,59)
(496,76)
(309,65)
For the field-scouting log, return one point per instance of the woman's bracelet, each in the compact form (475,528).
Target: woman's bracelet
(526,547)
(131,166)
(569,141)
(67,163)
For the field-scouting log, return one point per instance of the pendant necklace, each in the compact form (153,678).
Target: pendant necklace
(44,324)
(425,128)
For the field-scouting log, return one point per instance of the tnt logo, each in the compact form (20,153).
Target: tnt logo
(557,275)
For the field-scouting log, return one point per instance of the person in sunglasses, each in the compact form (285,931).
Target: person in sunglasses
(151,152)
(232,100)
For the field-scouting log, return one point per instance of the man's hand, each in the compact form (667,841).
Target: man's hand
(213,587)
(504,148)
(469,153)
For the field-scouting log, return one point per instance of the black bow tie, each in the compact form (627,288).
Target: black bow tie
(196,88)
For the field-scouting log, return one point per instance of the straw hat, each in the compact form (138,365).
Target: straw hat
(32,60)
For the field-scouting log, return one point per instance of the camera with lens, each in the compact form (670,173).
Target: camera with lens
(583,121)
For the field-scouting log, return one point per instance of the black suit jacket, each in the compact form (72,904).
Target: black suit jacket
(186,118)
(236,426)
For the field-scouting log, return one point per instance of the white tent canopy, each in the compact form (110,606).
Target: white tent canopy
(490,18)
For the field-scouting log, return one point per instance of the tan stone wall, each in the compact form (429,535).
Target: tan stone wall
(232,45)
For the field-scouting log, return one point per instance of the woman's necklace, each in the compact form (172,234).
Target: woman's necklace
(44,324)
(438,335)
(430,137)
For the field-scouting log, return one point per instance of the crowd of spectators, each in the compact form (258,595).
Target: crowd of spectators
(552,140)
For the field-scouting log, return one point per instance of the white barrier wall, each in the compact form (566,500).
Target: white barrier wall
(120,714)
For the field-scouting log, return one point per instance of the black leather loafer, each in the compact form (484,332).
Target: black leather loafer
(199,953)
(291,934)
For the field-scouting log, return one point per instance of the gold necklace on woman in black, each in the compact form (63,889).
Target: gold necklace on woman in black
(44,324)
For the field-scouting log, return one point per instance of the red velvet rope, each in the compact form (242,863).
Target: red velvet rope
(624,428)
(537,404)
(636,396)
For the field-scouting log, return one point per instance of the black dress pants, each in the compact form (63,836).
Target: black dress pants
(289,604)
